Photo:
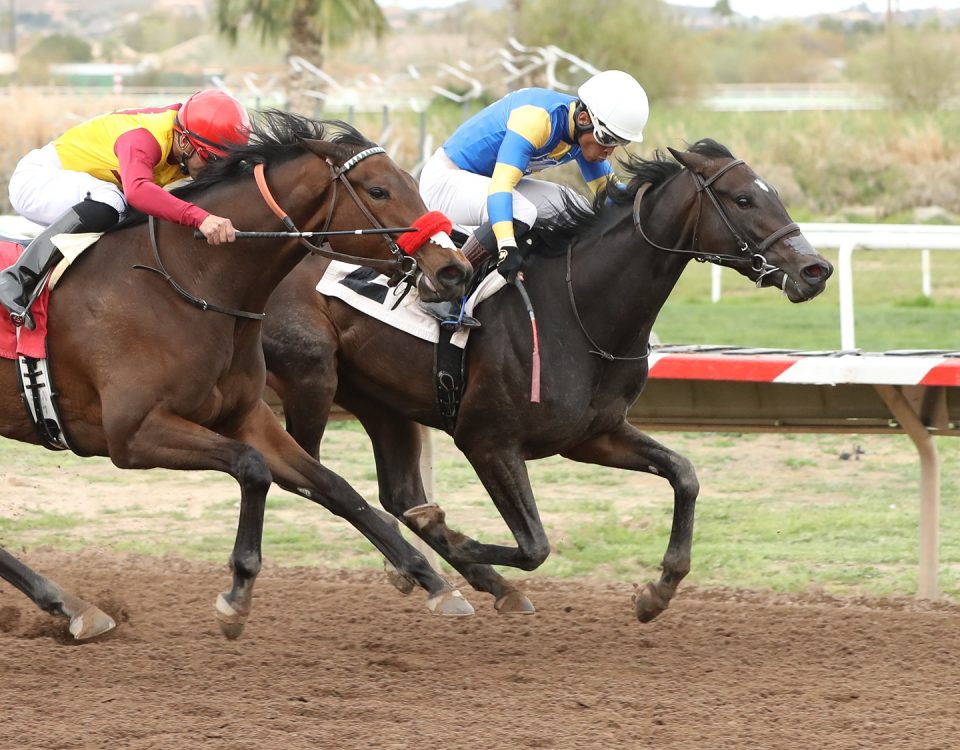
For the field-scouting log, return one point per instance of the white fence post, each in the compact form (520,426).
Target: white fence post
(845,283)
(427,475)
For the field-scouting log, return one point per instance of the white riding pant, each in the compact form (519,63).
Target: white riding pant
(42,191)
(462,195)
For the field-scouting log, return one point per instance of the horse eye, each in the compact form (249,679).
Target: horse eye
(743,201)
(378,192)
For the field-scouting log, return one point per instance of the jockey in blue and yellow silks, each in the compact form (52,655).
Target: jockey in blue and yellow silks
(479,177)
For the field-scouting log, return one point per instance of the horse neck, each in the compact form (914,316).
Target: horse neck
(622,291)
(252,269)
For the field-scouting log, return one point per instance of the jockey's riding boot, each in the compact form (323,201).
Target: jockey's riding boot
(20,284)
(476,251)
(450,313)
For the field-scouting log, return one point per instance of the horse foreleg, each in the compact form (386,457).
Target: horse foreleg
(86,620)
(171,442)
(396,449)
(504,475)
(625,447)
(297,472)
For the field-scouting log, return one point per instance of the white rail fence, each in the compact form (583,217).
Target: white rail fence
(850,237)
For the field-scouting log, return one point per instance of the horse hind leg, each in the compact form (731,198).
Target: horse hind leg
(86,620)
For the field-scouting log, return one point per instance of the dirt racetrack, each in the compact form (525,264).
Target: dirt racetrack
(340,660)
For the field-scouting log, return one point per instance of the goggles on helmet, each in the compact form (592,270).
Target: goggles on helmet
(604,137)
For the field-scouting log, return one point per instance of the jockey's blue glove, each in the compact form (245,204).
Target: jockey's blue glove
(509,262)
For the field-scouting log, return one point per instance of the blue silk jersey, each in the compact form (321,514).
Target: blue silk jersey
(526,131)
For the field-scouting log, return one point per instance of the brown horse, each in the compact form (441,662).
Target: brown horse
(151,375)
(596,301)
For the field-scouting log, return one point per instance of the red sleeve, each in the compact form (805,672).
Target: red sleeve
(139,152)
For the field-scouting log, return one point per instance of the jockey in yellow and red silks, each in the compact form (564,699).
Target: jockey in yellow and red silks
(84,180)
(478,178)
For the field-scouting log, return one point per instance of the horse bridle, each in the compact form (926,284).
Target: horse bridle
(757,260)
(402,267)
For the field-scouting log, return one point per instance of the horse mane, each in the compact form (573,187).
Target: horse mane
(275,136)
(574,219)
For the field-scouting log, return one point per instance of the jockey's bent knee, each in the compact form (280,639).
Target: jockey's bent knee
(96,216)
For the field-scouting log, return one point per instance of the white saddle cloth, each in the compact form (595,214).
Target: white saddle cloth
(377,300)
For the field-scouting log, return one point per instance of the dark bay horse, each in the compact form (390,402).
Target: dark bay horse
(596,301)
(150,380)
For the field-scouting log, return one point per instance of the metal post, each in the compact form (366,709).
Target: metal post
(925,284)
(845,283)
(929,487)
(428,477)
(714,283)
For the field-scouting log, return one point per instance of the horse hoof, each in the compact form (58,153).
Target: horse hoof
(230,621)
(648,603)
(450,603)
(402,583)
(90,623)
(514,603)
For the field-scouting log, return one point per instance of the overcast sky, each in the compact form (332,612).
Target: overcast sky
(761,8)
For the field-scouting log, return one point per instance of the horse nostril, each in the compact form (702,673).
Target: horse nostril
(452,275)
(817,272)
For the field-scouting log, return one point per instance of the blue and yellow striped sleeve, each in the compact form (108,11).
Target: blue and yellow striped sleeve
(595,173)
(528,129)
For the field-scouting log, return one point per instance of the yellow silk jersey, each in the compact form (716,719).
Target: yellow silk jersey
(89,146)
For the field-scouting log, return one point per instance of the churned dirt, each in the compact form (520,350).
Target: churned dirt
(341,660)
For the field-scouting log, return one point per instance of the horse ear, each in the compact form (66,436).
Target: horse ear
(325,150)
(694,162)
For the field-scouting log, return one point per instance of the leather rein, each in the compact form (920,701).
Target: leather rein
(402,267)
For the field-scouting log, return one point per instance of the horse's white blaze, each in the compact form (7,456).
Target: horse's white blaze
(761,185)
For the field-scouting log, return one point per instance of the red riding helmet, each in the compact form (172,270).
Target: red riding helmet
(212,119)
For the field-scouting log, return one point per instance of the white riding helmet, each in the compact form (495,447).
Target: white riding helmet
(617,103)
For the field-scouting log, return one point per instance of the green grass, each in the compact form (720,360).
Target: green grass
(795,517)
(889,313)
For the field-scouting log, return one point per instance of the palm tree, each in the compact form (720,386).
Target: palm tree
(310,27)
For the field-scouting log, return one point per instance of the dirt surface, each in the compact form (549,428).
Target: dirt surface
(341,660)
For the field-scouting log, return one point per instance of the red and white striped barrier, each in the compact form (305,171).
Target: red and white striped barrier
(813,368)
